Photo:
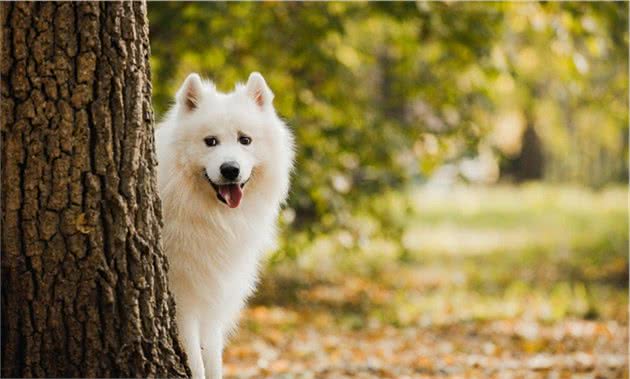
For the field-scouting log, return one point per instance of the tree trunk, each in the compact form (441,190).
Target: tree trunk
(530,162)
(84,290)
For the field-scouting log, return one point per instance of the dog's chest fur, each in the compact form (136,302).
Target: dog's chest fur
(214,257)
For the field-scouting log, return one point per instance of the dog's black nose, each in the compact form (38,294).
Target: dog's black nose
(230,170)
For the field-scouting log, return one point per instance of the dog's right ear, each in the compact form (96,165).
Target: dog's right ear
(189,94)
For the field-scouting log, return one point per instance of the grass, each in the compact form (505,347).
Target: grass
(543,251)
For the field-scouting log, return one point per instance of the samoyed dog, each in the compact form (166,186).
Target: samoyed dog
(223,173)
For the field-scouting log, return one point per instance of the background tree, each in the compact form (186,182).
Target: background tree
(84,289)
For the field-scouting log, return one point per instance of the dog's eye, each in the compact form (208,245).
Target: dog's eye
(211,141)
(244,140)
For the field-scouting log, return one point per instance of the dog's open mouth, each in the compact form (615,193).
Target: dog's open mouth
(230,194)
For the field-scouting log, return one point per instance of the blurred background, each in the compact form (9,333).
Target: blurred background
(459,207)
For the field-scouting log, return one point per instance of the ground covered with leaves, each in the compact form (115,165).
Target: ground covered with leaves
(528,282)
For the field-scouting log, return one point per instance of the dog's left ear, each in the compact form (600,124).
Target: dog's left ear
(258,90)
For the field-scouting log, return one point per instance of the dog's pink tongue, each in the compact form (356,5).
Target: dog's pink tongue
(232,194)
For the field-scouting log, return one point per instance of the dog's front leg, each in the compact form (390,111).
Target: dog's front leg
(212,345)
(189,330)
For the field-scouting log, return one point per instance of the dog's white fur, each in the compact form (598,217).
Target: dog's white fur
(214,250)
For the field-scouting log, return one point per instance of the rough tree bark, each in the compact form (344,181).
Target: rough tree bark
(84,290)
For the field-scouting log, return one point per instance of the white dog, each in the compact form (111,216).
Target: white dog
(224,168)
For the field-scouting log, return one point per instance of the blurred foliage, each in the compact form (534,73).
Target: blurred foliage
(382,94)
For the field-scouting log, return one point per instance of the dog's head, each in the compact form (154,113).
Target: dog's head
(226,140)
